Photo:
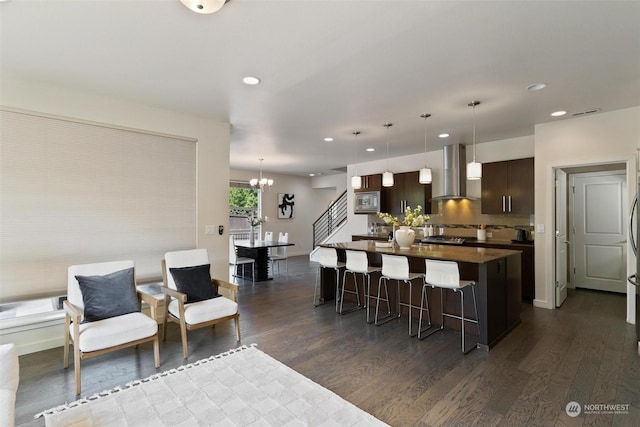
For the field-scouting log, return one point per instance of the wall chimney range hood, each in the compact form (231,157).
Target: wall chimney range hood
(454,173)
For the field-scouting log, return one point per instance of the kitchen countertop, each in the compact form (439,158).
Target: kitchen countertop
(459,253)
(500,242)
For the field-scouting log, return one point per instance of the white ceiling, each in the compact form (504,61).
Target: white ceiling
(334,66)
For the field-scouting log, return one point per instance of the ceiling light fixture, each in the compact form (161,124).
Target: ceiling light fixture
(371,149)
(474,169)
(204,6)
(425,172)
(261,183)
(536,86)
(387,177)
(328,139)
(250,80)
(356,180)
(443,135)
(558,113)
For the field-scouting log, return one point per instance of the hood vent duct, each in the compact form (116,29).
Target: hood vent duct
(454,173)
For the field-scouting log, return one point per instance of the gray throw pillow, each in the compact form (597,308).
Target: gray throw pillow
(195,281)
(111,295)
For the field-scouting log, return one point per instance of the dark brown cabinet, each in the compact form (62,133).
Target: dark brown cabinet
(527,261)
(406,191)
(370,183)
(507,187)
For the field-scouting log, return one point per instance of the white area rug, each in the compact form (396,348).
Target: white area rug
(241,387)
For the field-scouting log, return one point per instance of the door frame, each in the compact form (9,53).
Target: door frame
(632,172)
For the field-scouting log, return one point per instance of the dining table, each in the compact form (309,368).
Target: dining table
(259,250)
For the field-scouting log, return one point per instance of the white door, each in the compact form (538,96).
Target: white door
(561,237)
(599,231)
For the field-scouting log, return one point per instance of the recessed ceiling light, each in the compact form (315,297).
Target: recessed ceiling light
(249,80)
(558,113)
(536,86)
(328,139)
(371,149)
(443,135)
(312,174)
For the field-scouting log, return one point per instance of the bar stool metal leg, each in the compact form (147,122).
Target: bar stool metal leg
(386,291)
(424,297)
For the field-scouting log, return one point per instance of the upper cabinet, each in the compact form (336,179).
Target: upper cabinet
(371,183)
(508,187)
(406,191)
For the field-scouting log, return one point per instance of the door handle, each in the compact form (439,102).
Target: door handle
(509,203)
(504,204)
(566,242)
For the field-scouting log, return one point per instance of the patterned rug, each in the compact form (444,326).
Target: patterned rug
(241,387)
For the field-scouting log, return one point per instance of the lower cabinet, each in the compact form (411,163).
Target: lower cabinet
(528,273)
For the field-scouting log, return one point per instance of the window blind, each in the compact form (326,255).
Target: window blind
(73,192)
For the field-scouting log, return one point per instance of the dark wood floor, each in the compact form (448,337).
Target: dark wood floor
(583,352)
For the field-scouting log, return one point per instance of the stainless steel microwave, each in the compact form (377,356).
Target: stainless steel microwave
(367,202)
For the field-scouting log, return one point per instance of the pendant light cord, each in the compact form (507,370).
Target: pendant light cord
(473,105)
(388,125)
(356,133)
(425,116)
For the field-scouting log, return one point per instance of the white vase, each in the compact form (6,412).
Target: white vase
(405,237)
(252,237)
(482,235)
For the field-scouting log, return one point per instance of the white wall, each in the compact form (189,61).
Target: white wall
(213,142)
(309,205)
(610,137)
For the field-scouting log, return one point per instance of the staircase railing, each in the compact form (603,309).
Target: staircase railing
(330,220)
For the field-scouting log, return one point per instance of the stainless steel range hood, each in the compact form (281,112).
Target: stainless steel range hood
(454,175)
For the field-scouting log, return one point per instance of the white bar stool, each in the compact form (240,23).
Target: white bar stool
(446,275)
(358,263)
(327,258)
(396,268)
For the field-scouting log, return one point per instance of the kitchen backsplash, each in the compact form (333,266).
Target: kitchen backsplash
(462,218)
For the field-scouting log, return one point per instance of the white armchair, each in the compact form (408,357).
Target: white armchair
(9,378)
(190,301)
(97,295)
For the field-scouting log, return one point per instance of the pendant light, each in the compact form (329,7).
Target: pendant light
(425,172)
(356,180)
(474,169)
(387,177)
(261,183)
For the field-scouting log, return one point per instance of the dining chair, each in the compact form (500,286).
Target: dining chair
(236,260)
(280,253)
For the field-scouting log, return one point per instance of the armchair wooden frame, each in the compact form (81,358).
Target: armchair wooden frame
(73,315)
(182,299)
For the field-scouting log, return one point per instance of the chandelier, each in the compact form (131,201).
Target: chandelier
(261,183)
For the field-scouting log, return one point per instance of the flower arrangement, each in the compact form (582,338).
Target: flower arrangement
(412,218)
(255,221)
(482,227)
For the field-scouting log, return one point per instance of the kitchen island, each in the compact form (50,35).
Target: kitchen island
(497,273)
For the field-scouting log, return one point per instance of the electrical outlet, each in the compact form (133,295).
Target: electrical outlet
(489,234)
(210,229)
(539,228)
